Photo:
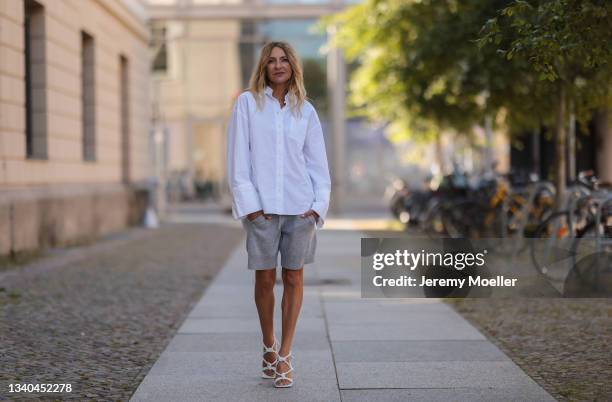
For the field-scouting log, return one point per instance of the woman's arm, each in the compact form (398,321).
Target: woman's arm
(245,198)
(317,166)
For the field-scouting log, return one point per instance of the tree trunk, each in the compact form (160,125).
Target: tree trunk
(604,144)
(440,153)
(489,157)
(536,162)
(571,144)
(560,148)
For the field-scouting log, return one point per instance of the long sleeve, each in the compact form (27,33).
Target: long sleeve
(315,156)
(245,198)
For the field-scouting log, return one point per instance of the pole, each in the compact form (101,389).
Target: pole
(336,78)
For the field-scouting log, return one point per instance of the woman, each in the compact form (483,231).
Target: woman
(279,180)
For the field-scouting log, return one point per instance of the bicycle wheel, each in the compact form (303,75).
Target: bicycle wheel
(591,273)
(550,243)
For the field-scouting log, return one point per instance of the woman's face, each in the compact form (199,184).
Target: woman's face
(278,68)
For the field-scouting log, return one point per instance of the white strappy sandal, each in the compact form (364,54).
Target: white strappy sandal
(283,376)
(269,365)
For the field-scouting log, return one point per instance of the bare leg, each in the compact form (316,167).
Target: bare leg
(264,300)
(293,291)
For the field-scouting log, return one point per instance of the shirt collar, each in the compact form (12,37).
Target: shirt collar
(268,91)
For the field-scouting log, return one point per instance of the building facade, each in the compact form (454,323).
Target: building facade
(74,120)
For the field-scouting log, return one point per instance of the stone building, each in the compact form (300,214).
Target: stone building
(74,120)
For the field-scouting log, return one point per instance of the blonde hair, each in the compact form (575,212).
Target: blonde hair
(259,80)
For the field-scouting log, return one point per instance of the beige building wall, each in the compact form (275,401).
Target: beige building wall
(60,198)
(116,31)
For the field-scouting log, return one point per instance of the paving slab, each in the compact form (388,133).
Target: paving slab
(345,346)
(196,389)
(441,374)
(224,366)
(419,351)
(244,342)
(519,394)
(396,329)
(219,309)
(241,324)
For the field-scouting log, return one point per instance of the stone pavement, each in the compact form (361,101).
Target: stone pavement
(98,316)
(346,348)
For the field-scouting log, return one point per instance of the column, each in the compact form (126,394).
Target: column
(336,78)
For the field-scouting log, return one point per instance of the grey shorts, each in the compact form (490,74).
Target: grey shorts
(294,236)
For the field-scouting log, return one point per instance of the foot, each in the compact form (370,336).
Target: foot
(284,371)
(269,360)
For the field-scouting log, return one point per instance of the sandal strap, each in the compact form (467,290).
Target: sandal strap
(282,377)
(275,359)
(268,349)
(285,372)
(270,365)
(284,358)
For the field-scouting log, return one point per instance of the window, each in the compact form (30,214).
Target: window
(159,49)
(35,84)
(88,97)
(124,103)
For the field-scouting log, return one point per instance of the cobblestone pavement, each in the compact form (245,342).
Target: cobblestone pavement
(100,320)
(563,344)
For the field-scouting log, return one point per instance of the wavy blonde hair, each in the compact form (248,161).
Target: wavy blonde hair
(259,80)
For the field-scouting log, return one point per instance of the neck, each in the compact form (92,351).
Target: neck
(279,90)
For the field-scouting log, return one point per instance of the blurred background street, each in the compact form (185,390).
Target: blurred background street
(479,119)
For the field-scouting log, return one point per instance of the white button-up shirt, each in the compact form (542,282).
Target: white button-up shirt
(276,161)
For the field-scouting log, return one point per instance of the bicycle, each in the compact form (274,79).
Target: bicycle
(553,236)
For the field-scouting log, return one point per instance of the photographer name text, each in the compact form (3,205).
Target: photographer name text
(407,281)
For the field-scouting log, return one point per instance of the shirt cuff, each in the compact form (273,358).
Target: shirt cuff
(320,208)
(245,200)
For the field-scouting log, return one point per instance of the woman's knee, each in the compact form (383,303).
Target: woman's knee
(265,279)
(293,277)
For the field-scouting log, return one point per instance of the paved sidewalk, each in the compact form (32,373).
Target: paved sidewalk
(346,348)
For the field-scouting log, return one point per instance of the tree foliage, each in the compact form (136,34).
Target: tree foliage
(434,64)
(420,66)
(567,43)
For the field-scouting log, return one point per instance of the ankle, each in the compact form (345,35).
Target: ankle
(269,341)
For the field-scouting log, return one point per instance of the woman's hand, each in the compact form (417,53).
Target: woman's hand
(313,213)
(253,215)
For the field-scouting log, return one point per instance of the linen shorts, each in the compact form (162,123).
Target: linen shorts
(295,237)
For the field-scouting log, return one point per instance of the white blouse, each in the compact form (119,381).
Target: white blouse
(276,161)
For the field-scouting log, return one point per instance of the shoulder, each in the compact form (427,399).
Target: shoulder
(245,96)
(308,109)
(310,112)
(243,101)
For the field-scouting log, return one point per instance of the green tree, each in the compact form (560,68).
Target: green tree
(567,43)
(420,67)
(435,64)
